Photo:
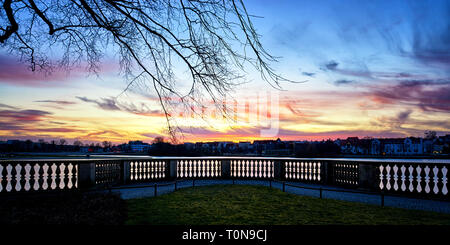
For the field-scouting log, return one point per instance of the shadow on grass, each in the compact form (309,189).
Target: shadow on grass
(63,208)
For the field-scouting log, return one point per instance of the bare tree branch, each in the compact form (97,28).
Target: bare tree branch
(213,40)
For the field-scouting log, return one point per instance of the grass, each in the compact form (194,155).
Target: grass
(258,205)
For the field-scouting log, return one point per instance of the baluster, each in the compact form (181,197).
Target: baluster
(65,172)
(419,179)
(151,167)
(318,164)
(19,177)
(212,166)
(388,177)
(147,170)
(188,169)
(158,167)
(265,169)
(444,180)
(202,168)
(37,177)
(207,167)
(435,180)
(140,170)
(258,163)
(132,170)
(381,177)
(427,179)
(260,170)
(290,170)
(196,168)
(314,173)
(403,177)
(139,166)
(1,177)
(3,181)
(395,168)
(9,178)
(69,184)
(411,178)
(157,173)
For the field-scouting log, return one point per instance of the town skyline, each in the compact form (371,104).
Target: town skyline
(430,144)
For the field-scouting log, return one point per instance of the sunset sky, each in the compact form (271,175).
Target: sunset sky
(367,68)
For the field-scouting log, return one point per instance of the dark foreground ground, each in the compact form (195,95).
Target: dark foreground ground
(67,208)
(207,205)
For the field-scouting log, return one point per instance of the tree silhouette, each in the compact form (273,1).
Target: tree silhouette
(214,40)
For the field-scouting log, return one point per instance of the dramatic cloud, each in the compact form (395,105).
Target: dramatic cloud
(427,95)
(309,74)
(15,72)
(105,132)
(8,106)
(58,102)
(402,116)
(343,82)
(24,115)
(104,103)
(112,104)
(332,65)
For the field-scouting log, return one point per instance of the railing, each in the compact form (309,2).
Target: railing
(421,178)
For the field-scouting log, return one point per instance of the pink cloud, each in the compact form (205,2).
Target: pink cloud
(14,72)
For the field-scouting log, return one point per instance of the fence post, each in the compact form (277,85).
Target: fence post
(324,172)
(329,172)
(278,170)
(226,169)
(173,169)
(86,175)
(126,167)
(367,176)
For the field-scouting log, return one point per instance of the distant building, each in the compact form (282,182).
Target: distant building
(138,146)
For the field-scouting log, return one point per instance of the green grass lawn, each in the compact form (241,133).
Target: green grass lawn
(258,205)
